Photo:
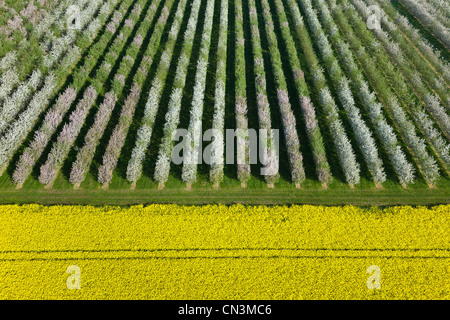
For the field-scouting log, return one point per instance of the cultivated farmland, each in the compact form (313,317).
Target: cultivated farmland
(92,94)
(224,149)
(224,252)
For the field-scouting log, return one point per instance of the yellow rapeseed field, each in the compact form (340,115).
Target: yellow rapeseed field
(223,252)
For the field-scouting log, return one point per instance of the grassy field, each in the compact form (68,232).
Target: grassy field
(256,193)
(220,252)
